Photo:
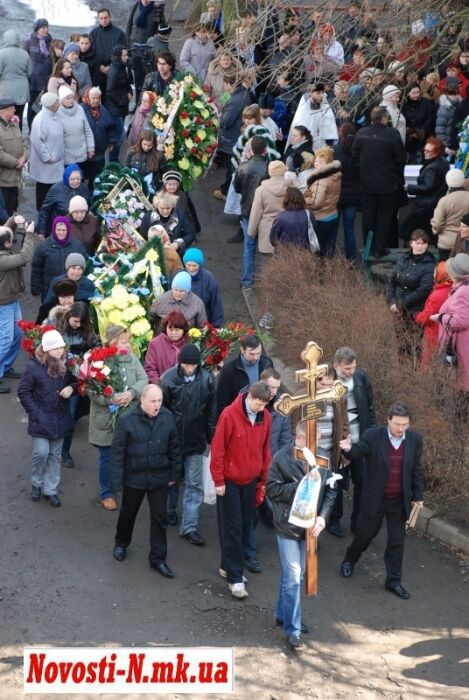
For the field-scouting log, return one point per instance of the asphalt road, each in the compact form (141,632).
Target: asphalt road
(59,584)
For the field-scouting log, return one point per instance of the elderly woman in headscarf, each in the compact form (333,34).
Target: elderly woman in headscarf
(104,132)
(424,318)
(180,298)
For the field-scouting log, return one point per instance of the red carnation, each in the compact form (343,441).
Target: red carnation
(185,133)
(107,391)
(196,139)
(193,149)
(193,95)
(208,122)
(205,87)
(184,115)
(198,120)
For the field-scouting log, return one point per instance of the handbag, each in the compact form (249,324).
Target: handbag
(312,237)
(448,353)
(233,201)
(210,496)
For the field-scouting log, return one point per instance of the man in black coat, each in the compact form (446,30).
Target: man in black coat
(118,95)
(244,369)
(285,473)
(380,155)
(144,18)
(393,483)
(189,393)
(103,39)
(145,459)
(361,416)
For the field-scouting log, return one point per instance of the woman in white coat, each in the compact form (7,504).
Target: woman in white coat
(46,157)
(78,136)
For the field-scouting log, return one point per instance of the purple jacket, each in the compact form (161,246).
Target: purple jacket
(162,354)
(38,392)
(290,227)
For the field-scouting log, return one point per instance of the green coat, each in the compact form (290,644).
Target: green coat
(101,429)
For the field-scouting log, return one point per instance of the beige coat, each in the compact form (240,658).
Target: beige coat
(268,202)
(447,217)
(215,75)
(323,194)
(12,147)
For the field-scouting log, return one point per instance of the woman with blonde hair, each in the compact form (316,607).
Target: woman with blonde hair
(44,390)
(223,65)
(181,233)
(322,197)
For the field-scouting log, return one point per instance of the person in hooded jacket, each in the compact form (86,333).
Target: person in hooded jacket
(430,187)
(50,256)
(44,391)
(16,68)
(412,277)
(37,46)
(189,393)
(78,136)
(118,94)
(204,285)
(58,198)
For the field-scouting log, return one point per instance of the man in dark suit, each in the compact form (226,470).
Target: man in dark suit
(393,483)
(361,416)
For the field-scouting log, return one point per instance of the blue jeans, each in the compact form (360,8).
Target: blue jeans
(72,407)
(292,563)
(193,493)
(249,255)
(348,221)
(45,465)
(103,476)
(10,335)
(119,127)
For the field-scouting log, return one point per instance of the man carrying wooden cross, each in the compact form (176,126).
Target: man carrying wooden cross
(284,476)
(287,469)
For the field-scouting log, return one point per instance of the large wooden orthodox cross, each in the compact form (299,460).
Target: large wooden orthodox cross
(312,405)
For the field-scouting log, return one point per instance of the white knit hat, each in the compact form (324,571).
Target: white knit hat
(52,340)
(77,203)
(455,178)
(390,90)
(64,91)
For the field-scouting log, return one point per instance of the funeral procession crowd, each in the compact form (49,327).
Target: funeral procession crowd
(313,119)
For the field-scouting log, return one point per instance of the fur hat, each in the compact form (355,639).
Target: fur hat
(64,288)
(52,340)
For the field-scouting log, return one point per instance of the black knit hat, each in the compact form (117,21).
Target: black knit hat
(190,355)
(164,29)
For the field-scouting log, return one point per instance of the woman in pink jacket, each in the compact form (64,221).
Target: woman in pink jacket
(453,317)
(163,351)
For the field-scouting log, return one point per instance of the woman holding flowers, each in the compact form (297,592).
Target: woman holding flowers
(130,380)
(76,329)
(44,391)
(163,351)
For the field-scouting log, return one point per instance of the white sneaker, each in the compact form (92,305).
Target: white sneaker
(238,590)
(267,322)
(222,573)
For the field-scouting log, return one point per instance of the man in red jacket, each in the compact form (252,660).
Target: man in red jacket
(240,459)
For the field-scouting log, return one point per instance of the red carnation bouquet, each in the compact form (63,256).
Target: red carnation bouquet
(32,335)
(98,371)
(215,344)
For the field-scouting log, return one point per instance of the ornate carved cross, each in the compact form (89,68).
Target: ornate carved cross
(312,405)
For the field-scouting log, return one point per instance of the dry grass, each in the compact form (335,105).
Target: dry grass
(329,303)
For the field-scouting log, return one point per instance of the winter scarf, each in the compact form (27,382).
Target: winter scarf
(143,12)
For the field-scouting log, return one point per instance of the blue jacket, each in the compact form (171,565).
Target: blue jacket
(206,287)
(38,392)
(104,130)
(85,290)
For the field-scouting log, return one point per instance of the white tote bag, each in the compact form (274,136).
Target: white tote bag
(210,497)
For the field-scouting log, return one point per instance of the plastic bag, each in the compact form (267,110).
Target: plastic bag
(233,202)
(312,236)
(305,503)
(210,497)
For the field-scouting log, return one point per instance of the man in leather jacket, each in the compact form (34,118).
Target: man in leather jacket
(189,393)
(285,473)
(361,415)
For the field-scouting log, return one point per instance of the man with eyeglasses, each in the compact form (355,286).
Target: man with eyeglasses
(393,483)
